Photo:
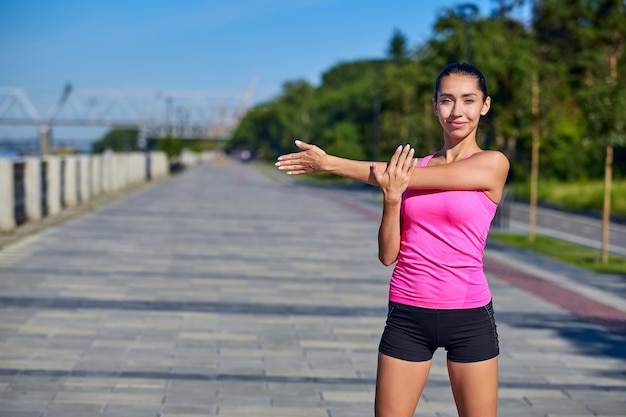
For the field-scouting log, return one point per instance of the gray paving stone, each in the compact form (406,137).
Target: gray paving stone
(72,410)
(221,291)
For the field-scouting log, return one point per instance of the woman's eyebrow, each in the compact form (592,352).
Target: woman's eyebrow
(462,95)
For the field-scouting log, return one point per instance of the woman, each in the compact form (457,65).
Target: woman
(436,216)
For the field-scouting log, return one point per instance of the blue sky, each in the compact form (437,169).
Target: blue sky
(196,45)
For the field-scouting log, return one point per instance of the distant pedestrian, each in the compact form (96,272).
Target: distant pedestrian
(245,156)
(434,226)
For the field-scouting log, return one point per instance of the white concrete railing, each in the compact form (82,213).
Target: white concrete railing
(189,159)
(69,181)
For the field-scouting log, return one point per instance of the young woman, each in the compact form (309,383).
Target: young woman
(436,215)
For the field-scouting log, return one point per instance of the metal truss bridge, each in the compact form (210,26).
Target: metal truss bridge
(156,114)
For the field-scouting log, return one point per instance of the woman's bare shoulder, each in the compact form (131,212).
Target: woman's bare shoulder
(492,157)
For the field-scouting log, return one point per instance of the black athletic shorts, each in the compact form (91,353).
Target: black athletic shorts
(414,333)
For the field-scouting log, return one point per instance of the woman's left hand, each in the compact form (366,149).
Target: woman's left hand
(395,179)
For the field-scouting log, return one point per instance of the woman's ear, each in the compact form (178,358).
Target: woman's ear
(435,109)
(486,106)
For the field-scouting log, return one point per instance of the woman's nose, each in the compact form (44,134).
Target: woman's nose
(456,110)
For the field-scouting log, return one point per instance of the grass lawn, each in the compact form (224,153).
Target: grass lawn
(577,196)
(571,253)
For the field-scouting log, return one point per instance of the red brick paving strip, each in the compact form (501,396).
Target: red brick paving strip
(583,307)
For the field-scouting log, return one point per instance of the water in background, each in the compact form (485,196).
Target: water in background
(9,155)
(19,148)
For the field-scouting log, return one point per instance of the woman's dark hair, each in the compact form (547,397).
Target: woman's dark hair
(462,69)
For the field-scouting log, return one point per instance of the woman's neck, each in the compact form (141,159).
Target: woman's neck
(458,150)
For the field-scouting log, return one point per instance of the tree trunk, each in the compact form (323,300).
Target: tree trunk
(608,174)
(606,212)
(534,164)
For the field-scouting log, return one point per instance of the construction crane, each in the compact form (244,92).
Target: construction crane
(45,142)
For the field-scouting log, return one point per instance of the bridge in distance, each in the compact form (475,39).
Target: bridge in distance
(156,114)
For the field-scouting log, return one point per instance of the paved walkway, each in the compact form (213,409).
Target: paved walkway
(226,291)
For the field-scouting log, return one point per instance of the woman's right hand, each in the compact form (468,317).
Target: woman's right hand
(395,179)
(309,161)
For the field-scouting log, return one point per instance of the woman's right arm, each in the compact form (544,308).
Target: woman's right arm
(393,181)
(389,232)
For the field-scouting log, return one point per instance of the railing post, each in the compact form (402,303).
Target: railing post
(148,167)
(43,182)
(7,195)
(96,175)
(84,180)
(70,196)
(19,194)
(53,186)
(33,189)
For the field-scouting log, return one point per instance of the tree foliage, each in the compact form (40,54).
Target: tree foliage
(364,109)
(117,140)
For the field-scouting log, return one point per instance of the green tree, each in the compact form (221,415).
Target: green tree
(269,129)
(171,146)
(370,106)
(118,140)
(578,38)
(398,51)
(507,60)
(344,139)
(253,133)
(348,94)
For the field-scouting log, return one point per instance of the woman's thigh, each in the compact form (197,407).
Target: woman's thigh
(475,387)
(399,385)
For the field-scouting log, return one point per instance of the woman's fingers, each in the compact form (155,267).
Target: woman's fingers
(303,145)
(294,163)
(409,162)
(396,156)
(395,179)
(300,144)
(407,157)
(309,160)
(402,160)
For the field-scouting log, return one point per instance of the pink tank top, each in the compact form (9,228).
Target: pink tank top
(440,264)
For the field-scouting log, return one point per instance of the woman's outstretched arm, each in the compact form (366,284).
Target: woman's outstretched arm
(486,171)
(313,159)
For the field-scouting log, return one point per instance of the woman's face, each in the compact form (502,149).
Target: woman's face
(459,105)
